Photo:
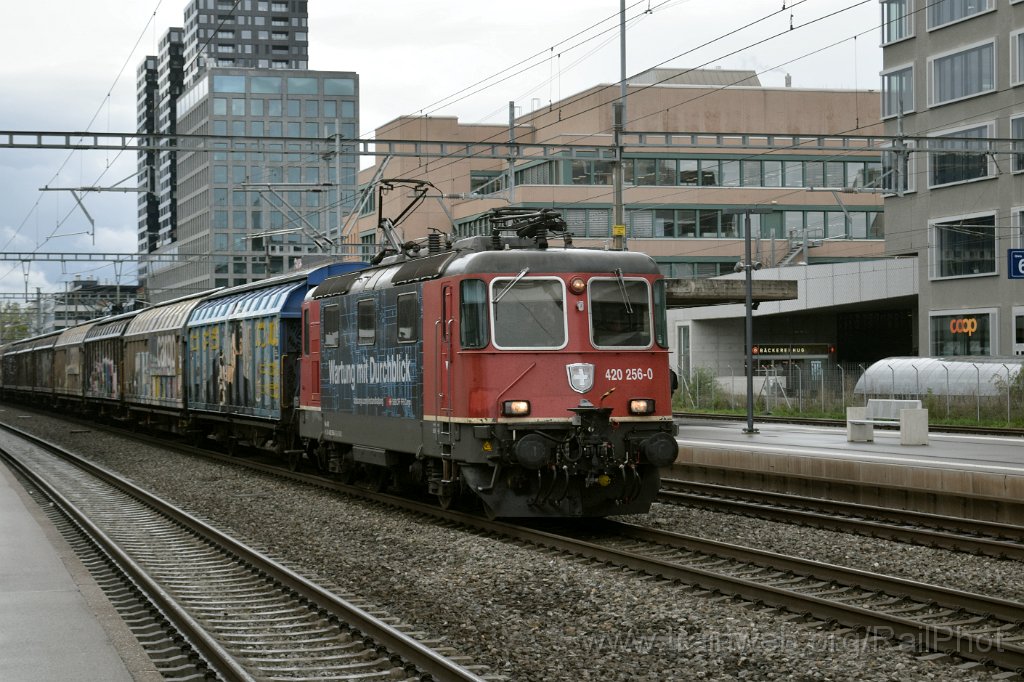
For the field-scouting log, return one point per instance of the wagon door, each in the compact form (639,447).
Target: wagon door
(443,371)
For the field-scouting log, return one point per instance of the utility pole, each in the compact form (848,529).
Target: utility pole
(511,152)
(618,124)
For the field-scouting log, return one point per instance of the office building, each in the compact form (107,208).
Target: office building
(952,84)
(680,190)
(250,207)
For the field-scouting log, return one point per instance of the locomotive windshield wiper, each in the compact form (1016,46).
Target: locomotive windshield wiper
(511,284)
(622,288)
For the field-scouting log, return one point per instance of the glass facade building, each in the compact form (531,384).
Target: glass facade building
(239,71)
(274,188)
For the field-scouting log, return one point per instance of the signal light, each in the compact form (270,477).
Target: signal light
(577,285)
(515,408)
(641,406)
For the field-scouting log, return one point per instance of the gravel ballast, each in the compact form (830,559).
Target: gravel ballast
(530,614)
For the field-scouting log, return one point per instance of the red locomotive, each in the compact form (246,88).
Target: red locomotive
(531,377)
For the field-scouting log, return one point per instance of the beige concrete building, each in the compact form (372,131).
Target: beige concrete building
(694,151)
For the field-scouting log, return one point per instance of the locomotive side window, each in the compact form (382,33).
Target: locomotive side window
(408,318)
(331,326)
(366,314)
(529,313)
(620,313)
(660,314)
(473,313)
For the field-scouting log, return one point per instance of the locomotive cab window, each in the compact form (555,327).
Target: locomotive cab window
(366,315)
(330,326)
(620,313)
(473,313)
(408,318)
(528,312)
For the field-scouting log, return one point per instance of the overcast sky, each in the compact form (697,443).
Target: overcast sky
(69,65)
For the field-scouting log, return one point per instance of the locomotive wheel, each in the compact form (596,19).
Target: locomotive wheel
(295,460)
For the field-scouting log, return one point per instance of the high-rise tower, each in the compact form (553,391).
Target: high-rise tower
(273,189)
(252,34)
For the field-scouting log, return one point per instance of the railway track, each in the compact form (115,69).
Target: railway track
(999,540)
(971,626)
(243,615)
(931,618)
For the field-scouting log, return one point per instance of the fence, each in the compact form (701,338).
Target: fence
(826,391)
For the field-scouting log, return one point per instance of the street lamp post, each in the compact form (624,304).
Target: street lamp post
(748,266)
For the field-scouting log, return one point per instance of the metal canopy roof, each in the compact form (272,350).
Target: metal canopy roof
(969,376)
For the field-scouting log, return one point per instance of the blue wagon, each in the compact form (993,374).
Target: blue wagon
(244,346)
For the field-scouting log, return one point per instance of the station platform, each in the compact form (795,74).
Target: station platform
(795,458)
(56,625)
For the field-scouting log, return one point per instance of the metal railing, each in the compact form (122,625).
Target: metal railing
(826,391)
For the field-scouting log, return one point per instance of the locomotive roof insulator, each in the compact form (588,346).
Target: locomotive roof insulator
(528,223)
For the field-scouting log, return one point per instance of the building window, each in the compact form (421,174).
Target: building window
(942,12)
(961,333)
(593,222)
(961,163)
(963,247)
(897,20)
(689,172)
(897,91)
(897,172)
(486,182)
(962,74)
(586,172)
(339,86)
(793,173)
(1016,58)
(1017,133)
(751,173)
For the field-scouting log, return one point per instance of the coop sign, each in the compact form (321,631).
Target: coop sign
(963,325)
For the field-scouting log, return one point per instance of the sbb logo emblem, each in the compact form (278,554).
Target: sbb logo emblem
(963,325)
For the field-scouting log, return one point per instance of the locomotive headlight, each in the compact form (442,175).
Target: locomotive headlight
(577,285)
(515,408)
(641,406)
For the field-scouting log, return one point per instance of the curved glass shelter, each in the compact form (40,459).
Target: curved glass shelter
(913,376)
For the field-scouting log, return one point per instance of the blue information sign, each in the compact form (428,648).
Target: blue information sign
(1015,263)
